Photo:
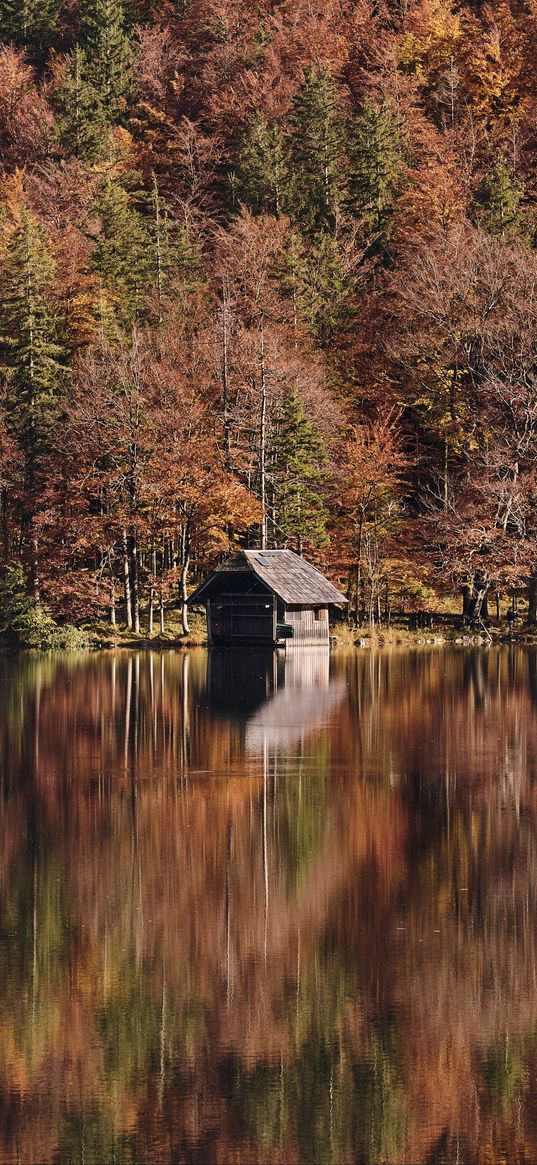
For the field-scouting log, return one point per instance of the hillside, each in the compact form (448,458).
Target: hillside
(269,278)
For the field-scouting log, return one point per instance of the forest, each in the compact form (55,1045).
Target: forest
(269,278)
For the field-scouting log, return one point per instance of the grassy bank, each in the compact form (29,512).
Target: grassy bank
(100,635)
(343,636)
(103,635)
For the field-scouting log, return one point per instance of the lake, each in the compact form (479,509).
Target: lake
(268,908)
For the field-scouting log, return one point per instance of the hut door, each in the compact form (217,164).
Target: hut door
(243,619)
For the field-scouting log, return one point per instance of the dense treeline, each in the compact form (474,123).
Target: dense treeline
(269,276)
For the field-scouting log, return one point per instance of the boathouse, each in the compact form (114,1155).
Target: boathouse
(267,597)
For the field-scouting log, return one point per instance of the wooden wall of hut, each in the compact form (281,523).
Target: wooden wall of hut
(310,626)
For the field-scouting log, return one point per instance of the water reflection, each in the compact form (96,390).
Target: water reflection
(269,909)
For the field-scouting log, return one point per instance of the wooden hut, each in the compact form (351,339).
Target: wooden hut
(267,597)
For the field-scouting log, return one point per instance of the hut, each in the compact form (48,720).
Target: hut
(267,597)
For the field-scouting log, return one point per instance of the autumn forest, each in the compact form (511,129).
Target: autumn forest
(269,278)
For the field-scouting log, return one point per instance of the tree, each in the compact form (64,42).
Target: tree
(297,475)
(31,25)
(25,116)
(9,480)
(374,172)
(109,55)
(433,48)
(122,256)
(172,264)
(316,146)
(369,480)
(31,359)
(262,173)
(263,354)
(468,306)
(199,501)
(247,261)
(319,277)
(145,477)
(81,125)
(497,200)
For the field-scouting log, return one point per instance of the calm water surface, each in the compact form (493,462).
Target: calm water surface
(269,910)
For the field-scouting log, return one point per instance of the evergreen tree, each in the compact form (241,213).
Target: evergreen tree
(170,254)
(109,55)
(82,121)
(375,156)
(31,356)
(316,147)
(498,200)
(293,276)
(31,25)
(31,364)
(123,253)
(262,170)
(314,278)
(297,476)
(327,293)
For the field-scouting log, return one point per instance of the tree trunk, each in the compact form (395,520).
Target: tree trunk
(225,378)
(112,601)
(134,566)
(532,596)
(158,244)
(34,573)
(183,582)
(5,527)
(262,437)
(127,582)
(359,569)
(475,606)
(184,595)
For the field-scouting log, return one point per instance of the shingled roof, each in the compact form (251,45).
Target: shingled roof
(288,576)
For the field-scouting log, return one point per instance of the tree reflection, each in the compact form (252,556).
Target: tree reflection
(269,910)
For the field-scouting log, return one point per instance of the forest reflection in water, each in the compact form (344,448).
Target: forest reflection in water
(268,909)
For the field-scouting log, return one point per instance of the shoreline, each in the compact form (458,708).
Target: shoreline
(342,639)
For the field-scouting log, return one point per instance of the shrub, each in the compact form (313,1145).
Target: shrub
(24,622)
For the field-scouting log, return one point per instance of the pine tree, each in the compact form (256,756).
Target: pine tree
(262,173)
(313,276)
(170,260)
(82,122)
(498,200)
(31,356)
(31,25)
(375,156)
(297,476)
(32,364)
(109,55)
(293,276)
(316,147)
(123,253)
(327,294)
